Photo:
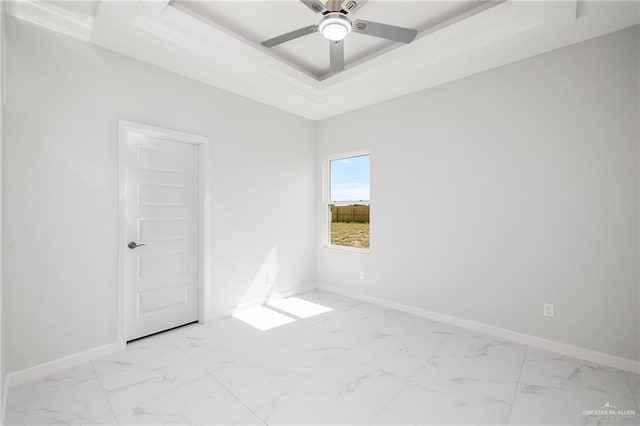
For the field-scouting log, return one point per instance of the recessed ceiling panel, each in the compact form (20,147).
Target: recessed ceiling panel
(256,21)
(85,8)
(219,44)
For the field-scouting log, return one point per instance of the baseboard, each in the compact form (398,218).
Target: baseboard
(40,370)
(526,339)
(211,316)
(22,376)
(5,391)
(293,292)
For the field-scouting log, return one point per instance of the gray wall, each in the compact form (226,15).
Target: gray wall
(2,322)
(523,183)
(64,100)
(520,187)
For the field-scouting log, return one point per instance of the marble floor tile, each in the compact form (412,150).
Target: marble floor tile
(319,400)
(259,377)
(185,335)
(126,389)
(197,347)
(230,349)
(411,325)
(299,308)
(381,365)
(555,389)
(330,300)
(81,404)
(203,402)
(425,406)
(50,383)
(355,364)
(564,406)
(319,345)
(276,335)
(476,345)
(365,380)
(459,390)
(251,420)
(634,384)
(554,371)
(388,418)
(359,319)
(384,345)
(151,352)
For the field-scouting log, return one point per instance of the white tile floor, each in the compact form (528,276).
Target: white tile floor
(357,364)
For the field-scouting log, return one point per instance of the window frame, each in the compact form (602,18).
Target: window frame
(326,201)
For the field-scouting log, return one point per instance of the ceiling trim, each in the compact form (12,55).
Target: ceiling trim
(52,17)
(230,52)
(182,11)
(179,27)
(170,37)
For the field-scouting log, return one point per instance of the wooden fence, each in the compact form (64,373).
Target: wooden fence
(351,213)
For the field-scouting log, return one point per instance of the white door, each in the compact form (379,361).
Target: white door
(161,213)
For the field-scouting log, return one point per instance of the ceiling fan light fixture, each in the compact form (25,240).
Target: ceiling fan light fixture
(335,26)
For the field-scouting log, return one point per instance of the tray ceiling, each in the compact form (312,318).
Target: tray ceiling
(256,21)
(218,42)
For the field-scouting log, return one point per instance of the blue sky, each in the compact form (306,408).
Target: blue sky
(350,179)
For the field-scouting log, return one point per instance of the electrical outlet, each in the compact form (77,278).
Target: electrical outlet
(547,310)
(362,275)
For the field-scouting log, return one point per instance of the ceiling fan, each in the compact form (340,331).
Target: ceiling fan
(335,25)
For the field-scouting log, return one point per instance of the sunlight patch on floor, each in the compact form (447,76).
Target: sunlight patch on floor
(299,307)
(263,318)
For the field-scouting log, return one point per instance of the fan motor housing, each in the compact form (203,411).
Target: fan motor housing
(335,26)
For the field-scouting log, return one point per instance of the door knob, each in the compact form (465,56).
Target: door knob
(133,245)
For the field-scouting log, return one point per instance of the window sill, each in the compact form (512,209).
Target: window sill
(347,249)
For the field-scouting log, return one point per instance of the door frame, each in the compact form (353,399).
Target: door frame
(203,211)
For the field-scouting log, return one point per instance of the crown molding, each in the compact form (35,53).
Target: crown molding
(50,16)
(170,37)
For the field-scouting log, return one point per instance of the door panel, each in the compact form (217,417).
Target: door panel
(169,229)
(162,298)
(161,276)
(162,265)
(162,160)
(163,195)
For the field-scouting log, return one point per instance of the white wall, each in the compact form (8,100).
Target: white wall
(2,322)
(523,183)
(499,192)
(64,100)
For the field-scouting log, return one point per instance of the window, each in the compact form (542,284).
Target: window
(349,201)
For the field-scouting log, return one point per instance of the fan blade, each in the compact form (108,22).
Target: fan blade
(351,6)
(290,36)
(315,5)
(336,56)
(390,32)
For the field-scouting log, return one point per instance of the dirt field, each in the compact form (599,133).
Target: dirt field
(350,234)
